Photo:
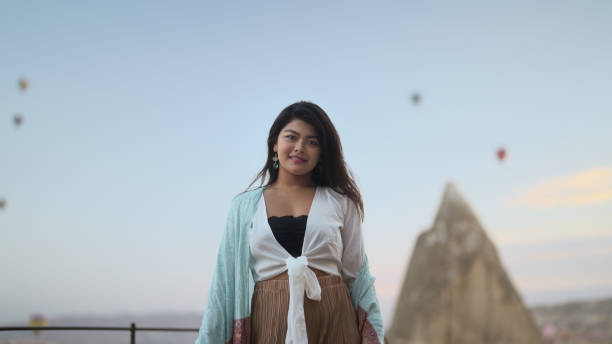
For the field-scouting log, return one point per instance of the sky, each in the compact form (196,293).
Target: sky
(144,119)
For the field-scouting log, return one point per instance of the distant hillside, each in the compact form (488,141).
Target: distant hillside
(586,322)
(176,320)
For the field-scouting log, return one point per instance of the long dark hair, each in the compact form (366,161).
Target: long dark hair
(331,170)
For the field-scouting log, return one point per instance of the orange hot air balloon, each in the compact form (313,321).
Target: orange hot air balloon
(2,203)
(18,119)
(501,154)
(416,99)
(37,320)
(23,84)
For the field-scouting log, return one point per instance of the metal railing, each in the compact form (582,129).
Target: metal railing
(132,329)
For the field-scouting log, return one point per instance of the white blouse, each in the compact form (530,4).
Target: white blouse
(333,243)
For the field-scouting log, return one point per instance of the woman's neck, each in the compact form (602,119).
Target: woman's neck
(287,181)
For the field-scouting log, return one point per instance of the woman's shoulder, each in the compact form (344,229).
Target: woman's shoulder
(332,192)
(335,196)
(340,200)
(247,197)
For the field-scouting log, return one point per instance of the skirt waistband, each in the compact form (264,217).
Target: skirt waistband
(272,284)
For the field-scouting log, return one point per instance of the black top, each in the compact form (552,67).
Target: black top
(289,232)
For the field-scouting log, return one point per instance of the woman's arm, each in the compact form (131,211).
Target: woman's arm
(356,274)
(352,243)
(215,326)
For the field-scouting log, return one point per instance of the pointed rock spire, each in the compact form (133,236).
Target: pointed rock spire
(455,289)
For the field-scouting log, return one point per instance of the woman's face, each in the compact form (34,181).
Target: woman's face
(298,148)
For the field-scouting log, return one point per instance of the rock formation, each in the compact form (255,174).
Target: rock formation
(455,289)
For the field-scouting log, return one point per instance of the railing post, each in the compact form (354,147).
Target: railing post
(133,334)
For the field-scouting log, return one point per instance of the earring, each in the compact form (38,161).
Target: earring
(275,159)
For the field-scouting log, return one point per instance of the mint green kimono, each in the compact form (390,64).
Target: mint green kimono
(228,310)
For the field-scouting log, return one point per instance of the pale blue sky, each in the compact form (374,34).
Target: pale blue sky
(144,119)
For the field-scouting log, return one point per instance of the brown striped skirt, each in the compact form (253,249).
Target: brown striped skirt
(331,320)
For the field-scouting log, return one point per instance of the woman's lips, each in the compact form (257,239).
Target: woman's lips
(296,160)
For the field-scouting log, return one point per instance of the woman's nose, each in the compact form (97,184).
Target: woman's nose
(299,146)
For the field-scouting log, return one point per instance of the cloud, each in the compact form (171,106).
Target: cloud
(553,232)
(588,187)
(578,280)
(558,254)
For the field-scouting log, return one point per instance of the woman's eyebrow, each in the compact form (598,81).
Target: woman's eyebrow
(298,134)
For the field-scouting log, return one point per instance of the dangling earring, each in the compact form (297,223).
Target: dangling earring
(275,159)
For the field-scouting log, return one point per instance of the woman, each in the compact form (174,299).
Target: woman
(291,267)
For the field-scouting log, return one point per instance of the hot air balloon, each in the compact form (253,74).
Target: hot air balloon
(23,84)
(416,99)
(501,154)
(37,320)
(18,119)
(2,203)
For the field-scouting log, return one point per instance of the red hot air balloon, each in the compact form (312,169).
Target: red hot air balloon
(501,154)
(18,119)
(23,84)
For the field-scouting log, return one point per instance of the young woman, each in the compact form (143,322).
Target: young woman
(291,267)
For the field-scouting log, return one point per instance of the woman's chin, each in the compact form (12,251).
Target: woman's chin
(299,171)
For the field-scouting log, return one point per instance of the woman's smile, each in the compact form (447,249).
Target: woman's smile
(297,159)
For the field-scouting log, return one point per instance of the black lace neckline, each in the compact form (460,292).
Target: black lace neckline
(289,232)
(289,217)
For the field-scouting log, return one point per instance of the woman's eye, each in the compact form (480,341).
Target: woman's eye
(314,143)
(290,137)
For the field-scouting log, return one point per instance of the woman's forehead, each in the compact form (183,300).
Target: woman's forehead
(301,127)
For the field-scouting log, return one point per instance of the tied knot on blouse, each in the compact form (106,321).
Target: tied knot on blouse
(301,279)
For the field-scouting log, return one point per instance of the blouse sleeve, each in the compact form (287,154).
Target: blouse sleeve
(352,242)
